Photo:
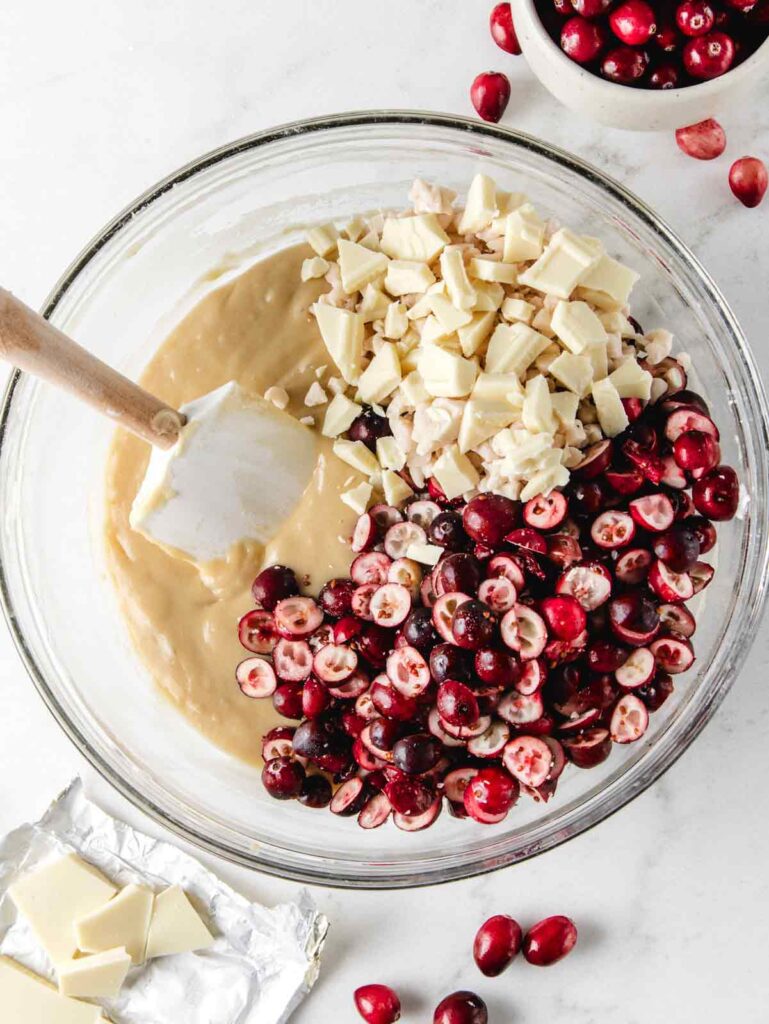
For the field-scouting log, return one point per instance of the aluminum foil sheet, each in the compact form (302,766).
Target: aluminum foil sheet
(262,964)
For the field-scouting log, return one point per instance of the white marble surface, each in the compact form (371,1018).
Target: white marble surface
(99,100)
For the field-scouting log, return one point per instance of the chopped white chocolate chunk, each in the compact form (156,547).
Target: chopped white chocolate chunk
(316,395)
(574,372)
(608,404)
(447,314)
(482,419)
(374,304)
(396,322)
(631,381)
(314,267)
(413,238)
(99,976)
(278,396)
(489,296)
(427,554)
(446,375)
(323,239)
(475,333)
(565,404)
(524,235)
(342,332)
(455,473)
(355,228)
(357,455)
(460,291)
(658,345)
(562,265)
(407,277)
(413,389)
(517,309)
(493,270)
(577,326)
(357,498)
(599,358)
(612,278)
(339,415)
(513,348)
(428,198)
(537,413)
(390,454)
(395,488)
(381,376)
(480,206)
(307,421)
(499,387)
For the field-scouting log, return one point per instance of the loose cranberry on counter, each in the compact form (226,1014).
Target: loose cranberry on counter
(377,1004)
(549,941)
(490,94)
(497,943)
(748,180)
(461,1008)
(503,30)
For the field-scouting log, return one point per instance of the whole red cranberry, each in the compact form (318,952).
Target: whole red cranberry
(667,38)
(694,449)
(564,615)
(497,943)
(492,790)
(377,1004)
(710,55)
(695,17)
(473,625)
(418,630)
(287,700)
(457,703)
(717,494)
(335,597)
(678,548)
(368,427)
(582,40)
(417,753)
(624,65)
(502,28)
(316,791)
(447,531)
(591,8)
(460,571)
(489,517)
(549,941)
(748,180)
(273,584)
(461,1008)
(490,94)
(496,667)
(634,22)
(282,778)
(664,76)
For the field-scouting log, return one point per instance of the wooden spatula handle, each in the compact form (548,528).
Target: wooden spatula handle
(28,341)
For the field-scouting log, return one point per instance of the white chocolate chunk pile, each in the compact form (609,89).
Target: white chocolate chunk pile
(73,910)
(497,344)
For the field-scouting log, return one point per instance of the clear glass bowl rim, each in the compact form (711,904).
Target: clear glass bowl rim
(665,753)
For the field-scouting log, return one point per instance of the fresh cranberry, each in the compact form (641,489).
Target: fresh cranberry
(457,703)
(678,548)
(287,700)
(664,76)
(273,584)
(374,643)
(549,941)
(493,791)
(489,517)
(458,572)
(503,30)
(321,741)
(497,943)
(496,667)
(705,531)
(377,1004)
(655,693)
(710,55)
(624,65)
(448,661)
(588,748)
(368,427)
(748,180)
(634,22)
(588,496)
(582,40)
(392,703)
(335,597)
(282,778)
(694,449)
(704,141)
(606,656)
(591,8)
(564,615)
(490,94)
(447,532)
(461,1008)
(717,494)
(668,40)
(315,698)
(410,796)
(316,791)
(695,17)
(633,617)
(418,630)
(473,625)
(416,754)
(385,732)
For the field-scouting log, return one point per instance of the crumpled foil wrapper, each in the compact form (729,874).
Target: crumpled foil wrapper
(262,964)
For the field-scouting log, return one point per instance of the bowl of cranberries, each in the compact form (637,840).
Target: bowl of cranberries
(645,64)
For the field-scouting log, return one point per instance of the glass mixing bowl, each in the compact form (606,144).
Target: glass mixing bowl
(184,237)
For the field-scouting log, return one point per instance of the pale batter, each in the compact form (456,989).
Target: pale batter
(257,331)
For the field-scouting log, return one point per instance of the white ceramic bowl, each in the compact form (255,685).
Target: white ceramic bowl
(623,106)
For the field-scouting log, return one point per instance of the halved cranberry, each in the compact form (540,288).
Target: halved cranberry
(497,943)
(407,671)
(365,534)
(335,597)
(637,670)
(473,625)
(489,517)
(457,572)
(498,593)
(490,94)
(409,796)
(496,667)
(657,692)
(418,822)
(717,494)
(321,741)
(292,660)
(447,661)
(521,708)
(582,40)
(564,550)
(492,792)
(528,539)
(653,512)
(377,1004)
(632,566)
(633,618)
(507,566)
(669,585)
(685,419)
(545,512)
(390,605)
(282,777)
(549,941)
(461,1008)
(587,496)
(443,613)
(368,427)
(705,532)
(624,65)
(447,531)
(350,798)
(625,481)
(678,548)
(391,702)
(705,140)
(564,616)
(605,656)
(701,574)
(589,749)
(673,654)
(418,630)
(677,619)
(273,584)
(375,812)
(297,617)
(590,584)
(361,600)
(629,720)
(528,759)
(710,55)
(347,629)
(278,742)
(613,529)
(416,754)
(316,791)
(287,700)
(400,537)
(333,664)
(634,22)
(256,631)
(457,703)
(524,631)
(491,743)
(315,698)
